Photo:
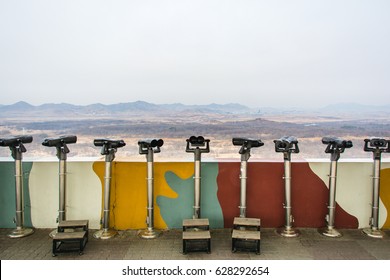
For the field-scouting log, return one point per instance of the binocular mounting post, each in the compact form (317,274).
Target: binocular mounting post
(197,145)
(287,145)
(246,145)
(62,150)
(148,147)
(17,149)
(109,148)
(335,146)
(377,146)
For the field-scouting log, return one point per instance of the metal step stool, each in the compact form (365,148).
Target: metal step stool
(246,231)
(196,235)
(77,238)
(75,225)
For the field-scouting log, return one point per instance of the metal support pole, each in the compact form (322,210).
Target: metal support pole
(149,147)
(377,146)
(330,230)
(335,147)
(197,178)
(106,232)
(109,148)
(243,177)
(287,145)
(17,149)
(20,231)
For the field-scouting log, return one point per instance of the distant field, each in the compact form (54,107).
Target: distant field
(219,128)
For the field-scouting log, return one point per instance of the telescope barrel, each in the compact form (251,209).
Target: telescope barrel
(15,141)
(60,141)
(337,142)
(109,143)
(253,143)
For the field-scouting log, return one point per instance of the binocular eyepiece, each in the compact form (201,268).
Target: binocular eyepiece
(15,141)
(152,143)
(197,141)
(337,142)
(110,143)
(286,144)
(60,141)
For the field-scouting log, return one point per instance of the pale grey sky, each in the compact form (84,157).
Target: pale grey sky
(253,52)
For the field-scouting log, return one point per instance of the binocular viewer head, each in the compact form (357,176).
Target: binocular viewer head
(194,144)
(197,141)
(377,145)
(15,141)
(337,142)
(248,142)
(60,141)
(152,143)
(147,145)
(114,144)
(286,144)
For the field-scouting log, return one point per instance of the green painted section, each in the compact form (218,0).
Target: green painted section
(174,210)
(8,197)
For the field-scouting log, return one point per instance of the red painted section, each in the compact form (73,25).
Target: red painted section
(265,195)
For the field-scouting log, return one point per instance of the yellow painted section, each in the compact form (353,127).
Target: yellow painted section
(128,200)
(385,193)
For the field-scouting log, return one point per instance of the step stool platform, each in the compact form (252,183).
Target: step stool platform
(77,238)
(188,223)
(243,237)
(73,224)
(247,222)
(199,240)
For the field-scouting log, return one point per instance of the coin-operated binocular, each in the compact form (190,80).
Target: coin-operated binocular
(377,146)
(197,145)
(60,144)
(246,145)
(17,148)
(148,147)
(287,145)
(109,148)
(335,146)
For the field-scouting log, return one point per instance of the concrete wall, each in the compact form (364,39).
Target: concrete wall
(173,189)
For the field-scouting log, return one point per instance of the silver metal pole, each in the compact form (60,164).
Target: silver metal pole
(243,177)
(150,232)
(329,230)
(106,232)
(62,184)
(197,182)
(288,230)
(374,230)
(20,231)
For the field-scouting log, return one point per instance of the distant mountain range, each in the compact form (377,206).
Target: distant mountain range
(141,107)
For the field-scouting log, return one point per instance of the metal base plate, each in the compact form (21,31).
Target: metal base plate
(149,233)
(105,234)
(288,232)
(329,232)
(375,233)
(21,232)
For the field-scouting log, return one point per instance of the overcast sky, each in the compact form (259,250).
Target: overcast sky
(254,52)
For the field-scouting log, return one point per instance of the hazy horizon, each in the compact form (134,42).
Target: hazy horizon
(256,53)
